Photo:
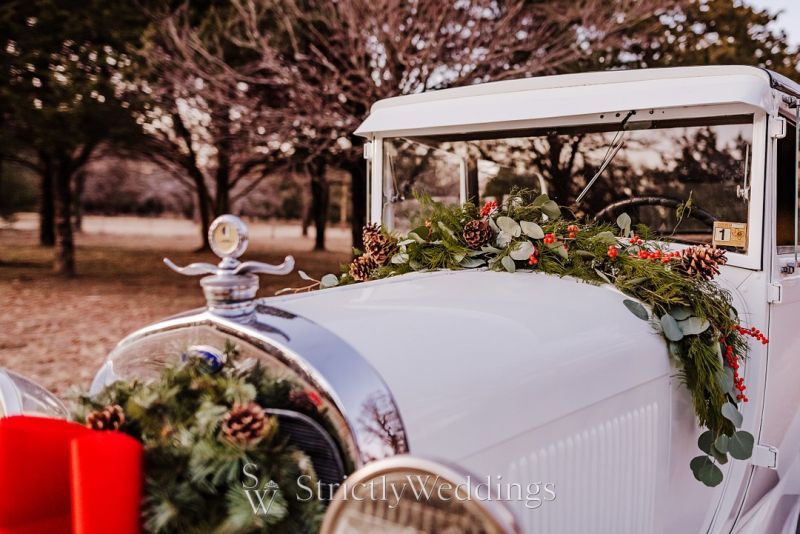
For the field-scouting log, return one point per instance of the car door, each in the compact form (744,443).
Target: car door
(780,426)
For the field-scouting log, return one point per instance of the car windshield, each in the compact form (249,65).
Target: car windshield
(653,171)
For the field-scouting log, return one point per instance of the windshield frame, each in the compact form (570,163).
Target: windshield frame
(752,259)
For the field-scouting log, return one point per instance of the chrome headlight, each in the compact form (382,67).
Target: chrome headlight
(413,495)
(20,396)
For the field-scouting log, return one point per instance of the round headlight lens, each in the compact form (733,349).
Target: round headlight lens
(19,396)
(409,495)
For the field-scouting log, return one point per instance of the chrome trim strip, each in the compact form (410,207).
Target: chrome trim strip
(497,510)
(364,412)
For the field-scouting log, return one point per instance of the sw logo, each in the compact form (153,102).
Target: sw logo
(261,500)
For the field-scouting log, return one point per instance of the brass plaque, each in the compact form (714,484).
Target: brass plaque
(730,234)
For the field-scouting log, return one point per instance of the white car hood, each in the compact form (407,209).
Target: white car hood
(476,357)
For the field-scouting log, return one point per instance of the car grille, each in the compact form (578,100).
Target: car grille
(309,436)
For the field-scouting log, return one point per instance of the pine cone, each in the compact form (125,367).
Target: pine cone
(111,417)
(477,233)
(703,261)
(361,267)
(378,246)
(244,424)
(369,233)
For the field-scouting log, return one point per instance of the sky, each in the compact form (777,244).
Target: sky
(789,20)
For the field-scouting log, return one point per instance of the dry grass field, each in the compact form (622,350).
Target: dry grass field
(57,331)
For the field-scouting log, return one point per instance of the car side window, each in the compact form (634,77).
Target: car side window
(786,192)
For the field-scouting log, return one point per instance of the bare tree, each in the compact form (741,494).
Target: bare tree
(203,123)
(340,57)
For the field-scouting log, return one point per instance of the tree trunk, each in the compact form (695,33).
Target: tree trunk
(223,179)
(80,181)
(358,187)
(64,263)
(320,200)
(307,215)
(47,235)
(190,165)
(203,206)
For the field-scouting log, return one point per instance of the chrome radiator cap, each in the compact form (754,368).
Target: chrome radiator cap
(231,286)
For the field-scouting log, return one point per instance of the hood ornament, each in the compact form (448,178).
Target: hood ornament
(231,286)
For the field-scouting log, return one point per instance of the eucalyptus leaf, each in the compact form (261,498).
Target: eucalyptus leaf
(637,309)
(706,471)
(635,281)
(304,276)
(718,354)
(531,229)
(400,258)
(493,225)
(671,329)
(740,445)
(508,264)
(606,237)
(721,443)
(522,250)
(705,440)
(602,275)
(725,379)
(421,231)
(493,250)
(446,230)
(459,257)
(405,242)
(414,237)
(731,413)
(718,455)
(675,350)
(693,326)
(509,226)
(472,263)
(540,201)
(624,223)
(329,280)
(559,249)
(551,209)
(680,312)
(504,239)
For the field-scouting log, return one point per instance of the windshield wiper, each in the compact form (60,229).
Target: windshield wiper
(616,145)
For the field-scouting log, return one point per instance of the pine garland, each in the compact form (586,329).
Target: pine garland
(695,315)
(194,479)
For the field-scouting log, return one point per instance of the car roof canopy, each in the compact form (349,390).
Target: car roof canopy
(516,103)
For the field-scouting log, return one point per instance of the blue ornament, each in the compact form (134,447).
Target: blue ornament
(213,358)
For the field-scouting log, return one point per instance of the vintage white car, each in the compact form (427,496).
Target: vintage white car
(545,387)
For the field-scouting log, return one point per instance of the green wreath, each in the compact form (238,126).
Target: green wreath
(214,460)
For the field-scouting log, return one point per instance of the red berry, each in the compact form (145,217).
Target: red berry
(489,208)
